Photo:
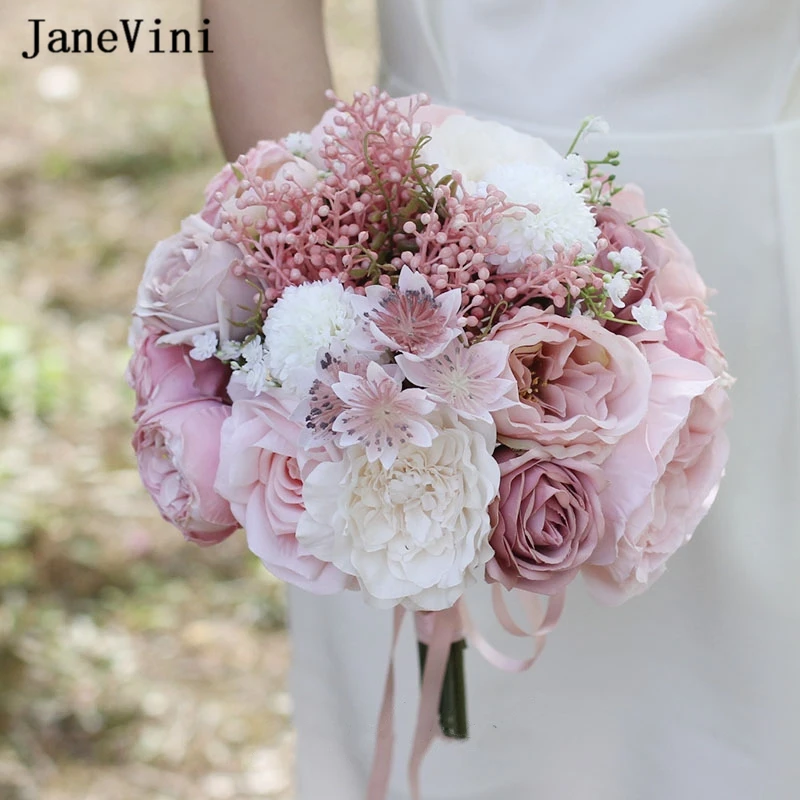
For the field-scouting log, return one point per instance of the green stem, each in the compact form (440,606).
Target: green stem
(453,698)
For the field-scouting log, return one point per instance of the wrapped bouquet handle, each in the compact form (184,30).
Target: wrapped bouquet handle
(440,633)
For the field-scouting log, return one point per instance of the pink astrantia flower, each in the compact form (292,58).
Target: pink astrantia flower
(318,411)
(409,318)
(380,415)
(468,379)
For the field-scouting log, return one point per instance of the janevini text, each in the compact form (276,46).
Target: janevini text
(130,35)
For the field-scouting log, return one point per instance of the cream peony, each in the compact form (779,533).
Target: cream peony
(417,533)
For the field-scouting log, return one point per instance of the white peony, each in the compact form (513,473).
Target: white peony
(529,172)
(563,218)
(474,147)
(307,318)
(417,533)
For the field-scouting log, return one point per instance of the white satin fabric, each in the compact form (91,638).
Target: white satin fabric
(692,691)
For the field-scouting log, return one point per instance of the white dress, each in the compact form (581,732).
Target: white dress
(691,691)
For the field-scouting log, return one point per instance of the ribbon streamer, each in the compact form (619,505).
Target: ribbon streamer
(439,630)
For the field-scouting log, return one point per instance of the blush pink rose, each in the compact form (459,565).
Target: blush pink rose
(580,388)
(683,295)
(261,473)
(189,286)
(664,475)
(164,375)
(267,160)
(177,449)
(546,523)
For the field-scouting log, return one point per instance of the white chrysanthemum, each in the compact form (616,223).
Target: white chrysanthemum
(306,318)
(415,534)
(563,218)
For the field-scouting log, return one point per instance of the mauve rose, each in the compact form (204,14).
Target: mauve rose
(268,160)
(177,449)
(579,388)
(164,375)
(547,522)
(261,473)
(664,475)
(189,287)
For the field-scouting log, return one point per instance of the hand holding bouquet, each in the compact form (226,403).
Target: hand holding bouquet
(410,351)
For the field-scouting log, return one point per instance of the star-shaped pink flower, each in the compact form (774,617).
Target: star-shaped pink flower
(410,318)
(467,379)
(380,415)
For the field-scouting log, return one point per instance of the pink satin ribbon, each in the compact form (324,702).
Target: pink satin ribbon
(439,630)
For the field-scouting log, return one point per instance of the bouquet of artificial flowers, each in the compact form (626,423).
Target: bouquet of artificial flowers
(411,350)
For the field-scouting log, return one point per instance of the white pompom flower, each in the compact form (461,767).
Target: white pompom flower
(563,219)
(306,319)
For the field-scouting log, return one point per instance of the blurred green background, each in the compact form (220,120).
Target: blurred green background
(132,665)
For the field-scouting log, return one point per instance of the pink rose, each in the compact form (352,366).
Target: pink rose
(189,287)
(261,473)
(178,451)
(683,294)
(268,160)
(580,388)
(164,375)
(664,475)
(547,522)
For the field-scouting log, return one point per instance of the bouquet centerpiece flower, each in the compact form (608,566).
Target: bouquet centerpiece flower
(410,351)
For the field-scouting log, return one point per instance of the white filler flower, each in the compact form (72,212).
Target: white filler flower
(648,316)
(417,533)
(306,318)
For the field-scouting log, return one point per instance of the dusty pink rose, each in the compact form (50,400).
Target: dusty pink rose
(189,286)
(177,449)
(580,388)
(547,522)
(261,473)
(268,160)
(164,375)
(664,475)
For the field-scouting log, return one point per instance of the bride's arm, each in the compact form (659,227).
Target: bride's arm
(269,70)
